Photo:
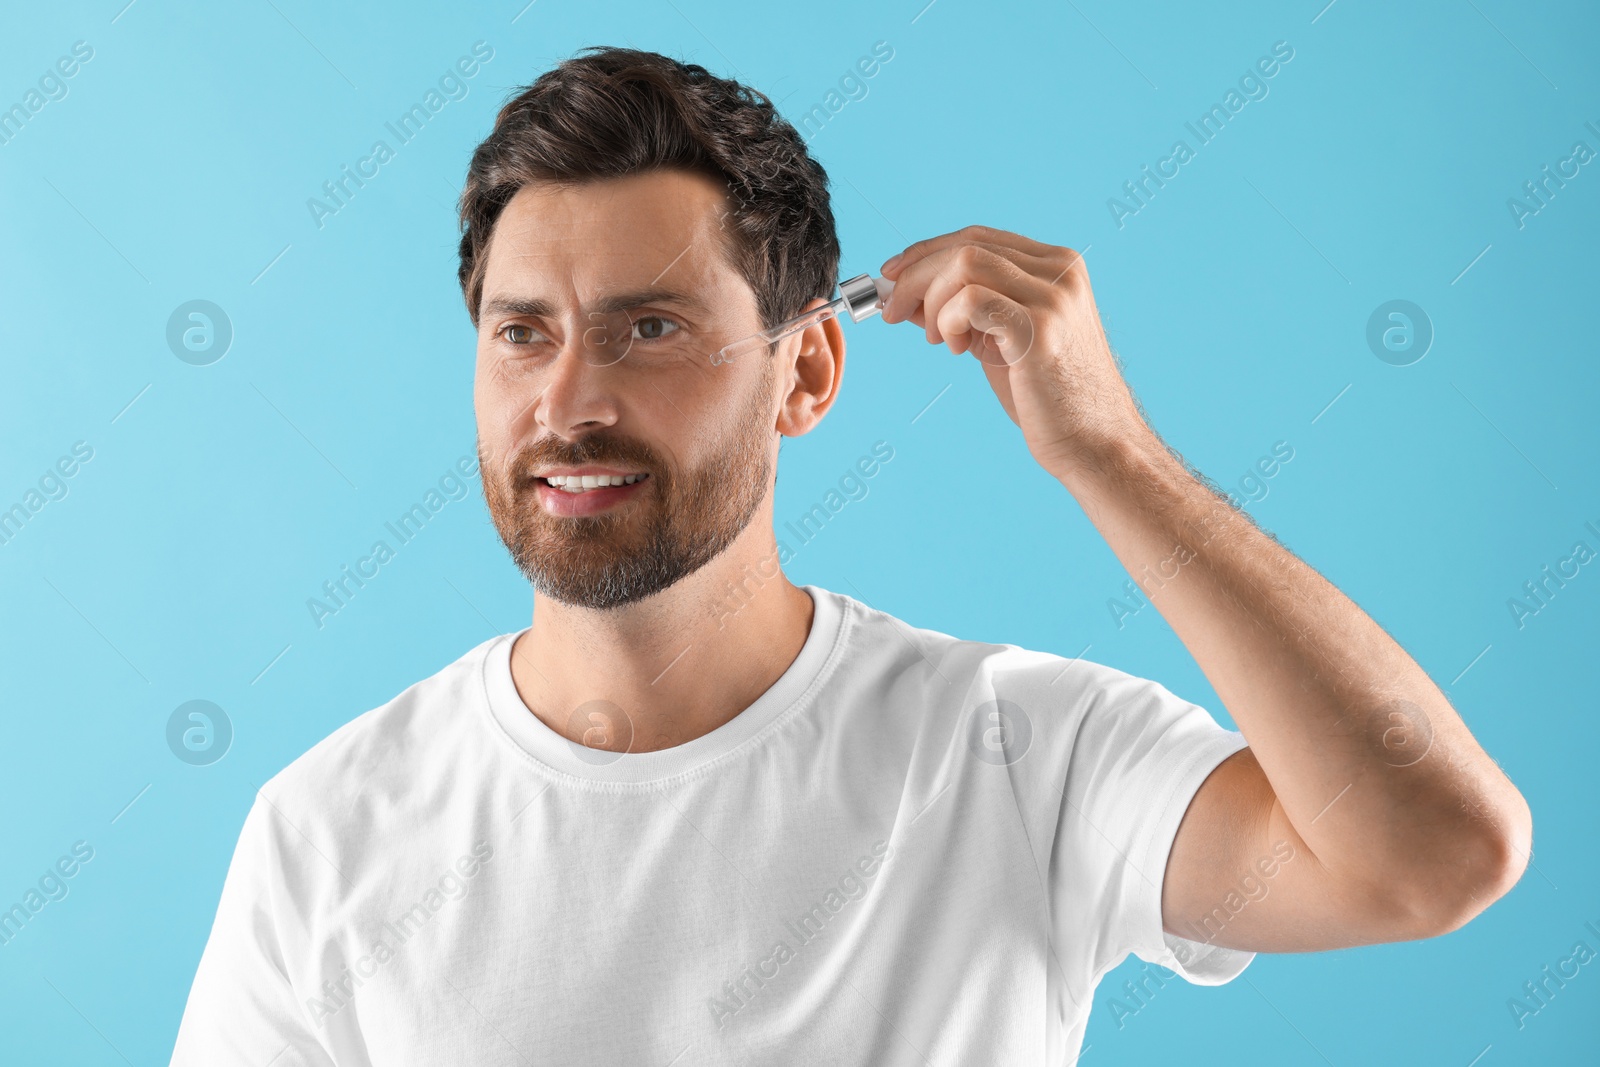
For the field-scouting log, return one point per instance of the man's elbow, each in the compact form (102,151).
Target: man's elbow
(1480,863)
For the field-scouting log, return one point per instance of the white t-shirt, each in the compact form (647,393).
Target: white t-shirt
(911,849)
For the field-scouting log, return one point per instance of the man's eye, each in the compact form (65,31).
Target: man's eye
(654,328)
(517,333)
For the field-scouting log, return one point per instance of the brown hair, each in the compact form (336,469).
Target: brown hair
(616,112)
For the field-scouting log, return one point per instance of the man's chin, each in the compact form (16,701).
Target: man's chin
(587,562)
(598,588)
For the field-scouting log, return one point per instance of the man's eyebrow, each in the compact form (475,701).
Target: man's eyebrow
(510,305)
(623,301)
(626,301)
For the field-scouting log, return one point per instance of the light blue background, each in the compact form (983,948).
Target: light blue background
(221,497)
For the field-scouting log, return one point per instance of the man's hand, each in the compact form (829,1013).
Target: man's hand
(1025,310)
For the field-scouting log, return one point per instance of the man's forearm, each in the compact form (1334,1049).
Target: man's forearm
(1370,764)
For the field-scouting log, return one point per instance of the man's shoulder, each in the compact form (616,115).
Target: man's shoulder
(1059,709)
(944,656)
(877,631)
(383,749)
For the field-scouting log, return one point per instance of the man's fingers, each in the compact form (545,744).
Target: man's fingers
(913,280)
(997,329)
(975,235)
(977,265)
(932,280)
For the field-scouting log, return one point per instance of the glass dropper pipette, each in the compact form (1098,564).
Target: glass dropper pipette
(861,297)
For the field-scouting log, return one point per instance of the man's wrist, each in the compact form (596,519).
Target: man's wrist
(1135,457)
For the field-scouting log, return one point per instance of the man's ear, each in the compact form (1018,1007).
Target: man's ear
(813,377)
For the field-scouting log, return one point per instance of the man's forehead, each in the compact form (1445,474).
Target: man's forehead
(643,230)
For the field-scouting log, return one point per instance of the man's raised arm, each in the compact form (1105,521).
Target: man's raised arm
(1399,824)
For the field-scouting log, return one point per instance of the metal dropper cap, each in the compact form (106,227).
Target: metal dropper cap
(864,295)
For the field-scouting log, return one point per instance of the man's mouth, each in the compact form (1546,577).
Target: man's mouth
(585,483)
(579,495)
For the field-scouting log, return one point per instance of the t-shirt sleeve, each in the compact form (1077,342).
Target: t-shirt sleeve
(242,1009)
(1138,755)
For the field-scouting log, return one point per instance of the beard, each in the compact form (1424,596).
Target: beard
(675,524)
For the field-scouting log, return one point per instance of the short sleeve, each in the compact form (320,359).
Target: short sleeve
(1139,754)
(242,1008)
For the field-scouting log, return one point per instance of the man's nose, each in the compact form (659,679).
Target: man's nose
(578,394)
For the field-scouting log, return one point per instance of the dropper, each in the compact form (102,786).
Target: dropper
(861,297)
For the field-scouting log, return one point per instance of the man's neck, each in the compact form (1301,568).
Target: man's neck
(678,664)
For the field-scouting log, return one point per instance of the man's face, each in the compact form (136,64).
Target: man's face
(631,264)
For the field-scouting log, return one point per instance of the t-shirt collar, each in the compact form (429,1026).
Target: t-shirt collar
(551,751)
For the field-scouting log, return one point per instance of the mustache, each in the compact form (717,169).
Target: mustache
(611,450)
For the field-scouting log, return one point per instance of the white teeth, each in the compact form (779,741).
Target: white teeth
(579,483)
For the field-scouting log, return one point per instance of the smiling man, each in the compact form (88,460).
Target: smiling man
(647,830)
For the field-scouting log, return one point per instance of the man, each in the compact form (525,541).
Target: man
(695,814)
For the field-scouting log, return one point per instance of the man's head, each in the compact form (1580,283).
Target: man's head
(628,216)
